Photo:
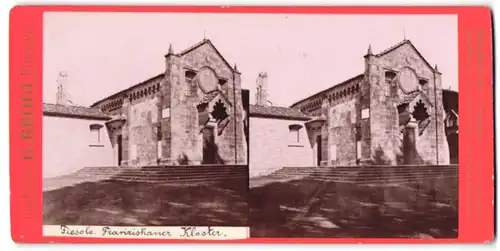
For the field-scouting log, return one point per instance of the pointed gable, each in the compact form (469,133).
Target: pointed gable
(204,53)
(405,53)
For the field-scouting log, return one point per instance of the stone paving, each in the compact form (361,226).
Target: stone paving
(96,200)
(305,207)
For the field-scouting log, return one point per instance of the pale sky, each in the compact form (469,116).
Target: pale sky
(104,53)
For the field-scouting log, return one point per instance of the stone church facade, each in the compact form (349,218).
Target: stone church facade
(195,112)
(391,113)
(192,113)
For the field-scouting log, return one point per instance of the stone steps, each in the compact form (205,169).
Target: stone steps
(368,174)
(379,182)
(140,171)
(385,181)
(413,172)
(160,172)
(168,174)
(190,175)
(189,180)
(161,175)
(156,168)
(355,169)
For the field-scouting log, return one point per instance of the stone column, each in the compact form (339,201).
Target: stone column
(239,119)
(168,92)
(442,148)
(164,134)
(409,143)
(125,131)
(324,132)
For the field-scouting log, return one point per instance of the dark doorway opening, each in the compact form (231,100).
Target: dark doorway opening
(319,151)
(409,146)
(119,144)
(209,147)
(453,146)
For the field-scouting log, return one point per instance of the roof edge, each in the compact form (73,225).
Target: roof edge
(207,41)
(128,89)
(268,116)
(66,115)
(330,88)
(407,41)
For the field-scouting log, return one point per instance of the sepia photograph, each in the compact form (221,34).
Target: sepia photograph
(294,125)
(251,124)
(354,127)
(144,123)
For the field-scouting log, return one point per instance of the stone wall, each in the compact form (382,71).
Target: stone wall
(342,133)
(161,123)
(186,138)
(69,145)
(384,97)
(384,129)
(335,94)
(140,111)
(184,142)
(142,131)
(273,146)
(344,103)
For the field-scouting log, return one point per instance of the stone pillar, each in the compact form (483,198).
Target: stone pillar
(239,133)
(442,148)
(182,115)
(165,111)
(364,109)
(125,131)
(324,132)
(409,143)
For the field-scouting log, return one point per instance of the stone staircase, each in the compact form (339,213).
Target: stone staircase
(171,175)
(368,174)
(202,173)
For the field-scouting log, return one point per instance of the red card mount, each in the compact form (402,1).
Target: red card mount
(146,161)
